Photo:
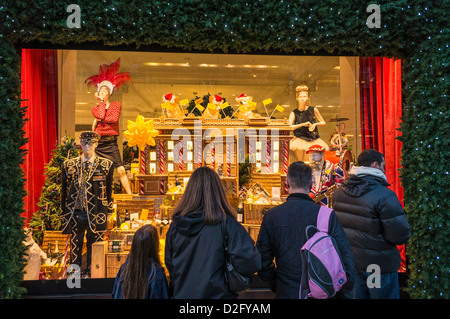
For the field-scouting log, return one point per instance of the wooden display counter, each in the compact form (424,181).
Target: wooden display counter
(106,262)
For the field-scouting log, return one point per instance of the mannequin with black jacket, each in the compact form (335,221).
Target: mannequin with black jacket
(282,235)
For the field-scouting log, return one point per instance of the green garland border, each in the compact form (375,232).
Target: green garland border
(417,33)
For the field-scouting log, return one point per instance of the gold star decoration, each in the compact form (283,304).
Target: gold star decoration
(140,133)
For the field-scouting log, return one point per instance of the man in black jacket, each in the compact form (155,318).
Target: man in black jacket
(374,222)
(282,235)
(86,198)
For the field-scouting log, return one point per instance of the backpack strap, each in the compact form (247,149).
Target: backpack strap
(323,218)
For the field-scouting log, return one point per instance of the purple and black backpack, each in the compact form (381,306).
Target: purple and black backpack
(323,273)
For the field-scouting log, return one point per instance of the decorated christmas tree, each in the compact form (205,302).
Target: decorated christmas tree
(48,217)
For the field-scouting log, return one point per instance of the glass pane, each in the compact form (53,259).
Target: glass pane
(333,84)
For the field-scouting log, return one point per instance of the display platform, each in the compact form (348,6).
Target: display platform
(221,144)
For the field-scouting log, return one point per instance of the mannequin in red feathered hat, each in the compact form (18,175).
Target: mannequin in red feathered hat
(324,174)
(175,111)
(107,115)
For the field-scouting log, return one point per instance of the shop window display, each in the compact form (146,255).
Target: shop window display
(174,112)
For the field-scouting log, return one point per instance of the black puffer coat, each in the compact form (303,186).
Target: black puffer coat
(195,257)
(373,220)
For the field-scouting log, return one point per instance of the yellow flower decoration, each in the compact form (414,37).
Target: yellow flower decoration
(140,133)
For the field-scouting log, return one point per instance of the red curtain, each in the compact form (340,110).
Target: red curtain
(40,94)
(381,111)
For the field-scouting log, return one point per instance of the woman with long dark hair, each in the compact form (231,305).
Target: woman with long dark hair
(142,276)
(194,254)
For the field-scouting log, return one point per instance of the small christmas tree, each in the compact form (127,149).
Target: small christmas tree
(48,217)
(226,112)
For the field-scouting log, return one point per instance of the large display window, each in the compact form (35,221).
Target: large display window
(238,114)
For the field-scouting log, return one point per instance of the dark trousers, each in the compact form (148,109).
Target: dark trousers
(78,237)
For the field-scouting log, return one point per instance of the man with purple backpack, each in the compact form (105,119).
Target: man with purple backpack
(375,223)
(283,235)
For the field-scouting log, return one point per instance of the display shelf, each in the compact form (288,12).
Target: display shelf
(218,143)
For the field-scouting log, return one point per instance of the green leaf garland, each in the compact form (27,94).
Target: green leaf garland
(417,32)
